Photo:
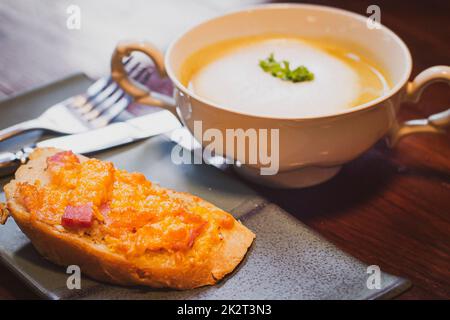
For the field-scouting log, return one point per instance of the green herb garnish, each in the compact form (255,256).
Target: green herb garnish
(283,71)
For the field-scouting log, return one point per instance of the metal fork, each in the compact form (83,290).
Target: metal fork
(95,108)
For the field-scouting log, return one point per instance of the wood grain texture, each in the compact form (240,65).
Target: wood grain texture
(392,207)
(388,207)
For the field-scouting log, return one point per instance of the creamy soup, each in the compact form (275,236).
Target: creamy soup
(229,74)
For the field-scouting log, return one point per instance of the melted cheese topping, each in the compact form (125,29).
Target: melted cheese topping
(131,215)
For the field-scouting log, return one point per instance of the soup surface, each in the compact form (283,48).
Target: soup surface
(229,74)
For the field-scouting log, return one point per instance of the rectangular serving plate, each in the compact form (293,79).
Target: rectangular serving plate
(286,261)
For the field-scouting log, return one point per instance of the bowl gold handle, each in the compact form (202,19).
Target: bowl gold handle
(140,94)
(436,123)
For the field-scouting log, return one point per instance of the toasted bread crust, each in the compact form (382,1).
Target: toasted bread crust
(97,261)
(4,213)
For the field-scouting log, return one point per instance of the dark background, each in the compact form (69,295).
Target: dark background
(388,207)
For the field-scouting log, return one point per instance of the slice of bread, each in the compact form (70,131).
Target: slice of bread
(180,270)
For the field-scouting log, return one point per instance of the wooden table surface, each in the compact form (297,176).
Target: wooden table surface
(388,207)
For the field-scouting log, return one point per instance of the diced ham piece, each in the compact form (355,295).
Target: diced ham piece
(78,216)
(61,157)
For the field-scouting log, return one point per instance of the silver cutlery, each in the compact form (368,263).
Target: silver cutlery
(112,135)
(97,107)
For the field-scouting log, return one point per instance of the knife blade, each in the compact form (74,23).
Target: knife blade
(115,134)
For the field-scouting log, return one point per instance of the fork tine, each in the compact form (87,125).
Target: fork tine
(94,113)
(110,113)
(105,93)
(92,92)
(137,75)
(115,109)
(98,102)
(98,108)
(133,68)
(147,76)
(127,59)
(94,89)
(144,76)
(101,96)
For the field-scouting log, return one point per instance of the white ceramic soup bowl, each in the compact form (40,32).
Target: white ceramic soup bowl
(311,149)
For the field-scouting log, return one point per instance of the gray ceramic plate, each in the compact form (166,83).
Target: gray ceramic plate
(286,261)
